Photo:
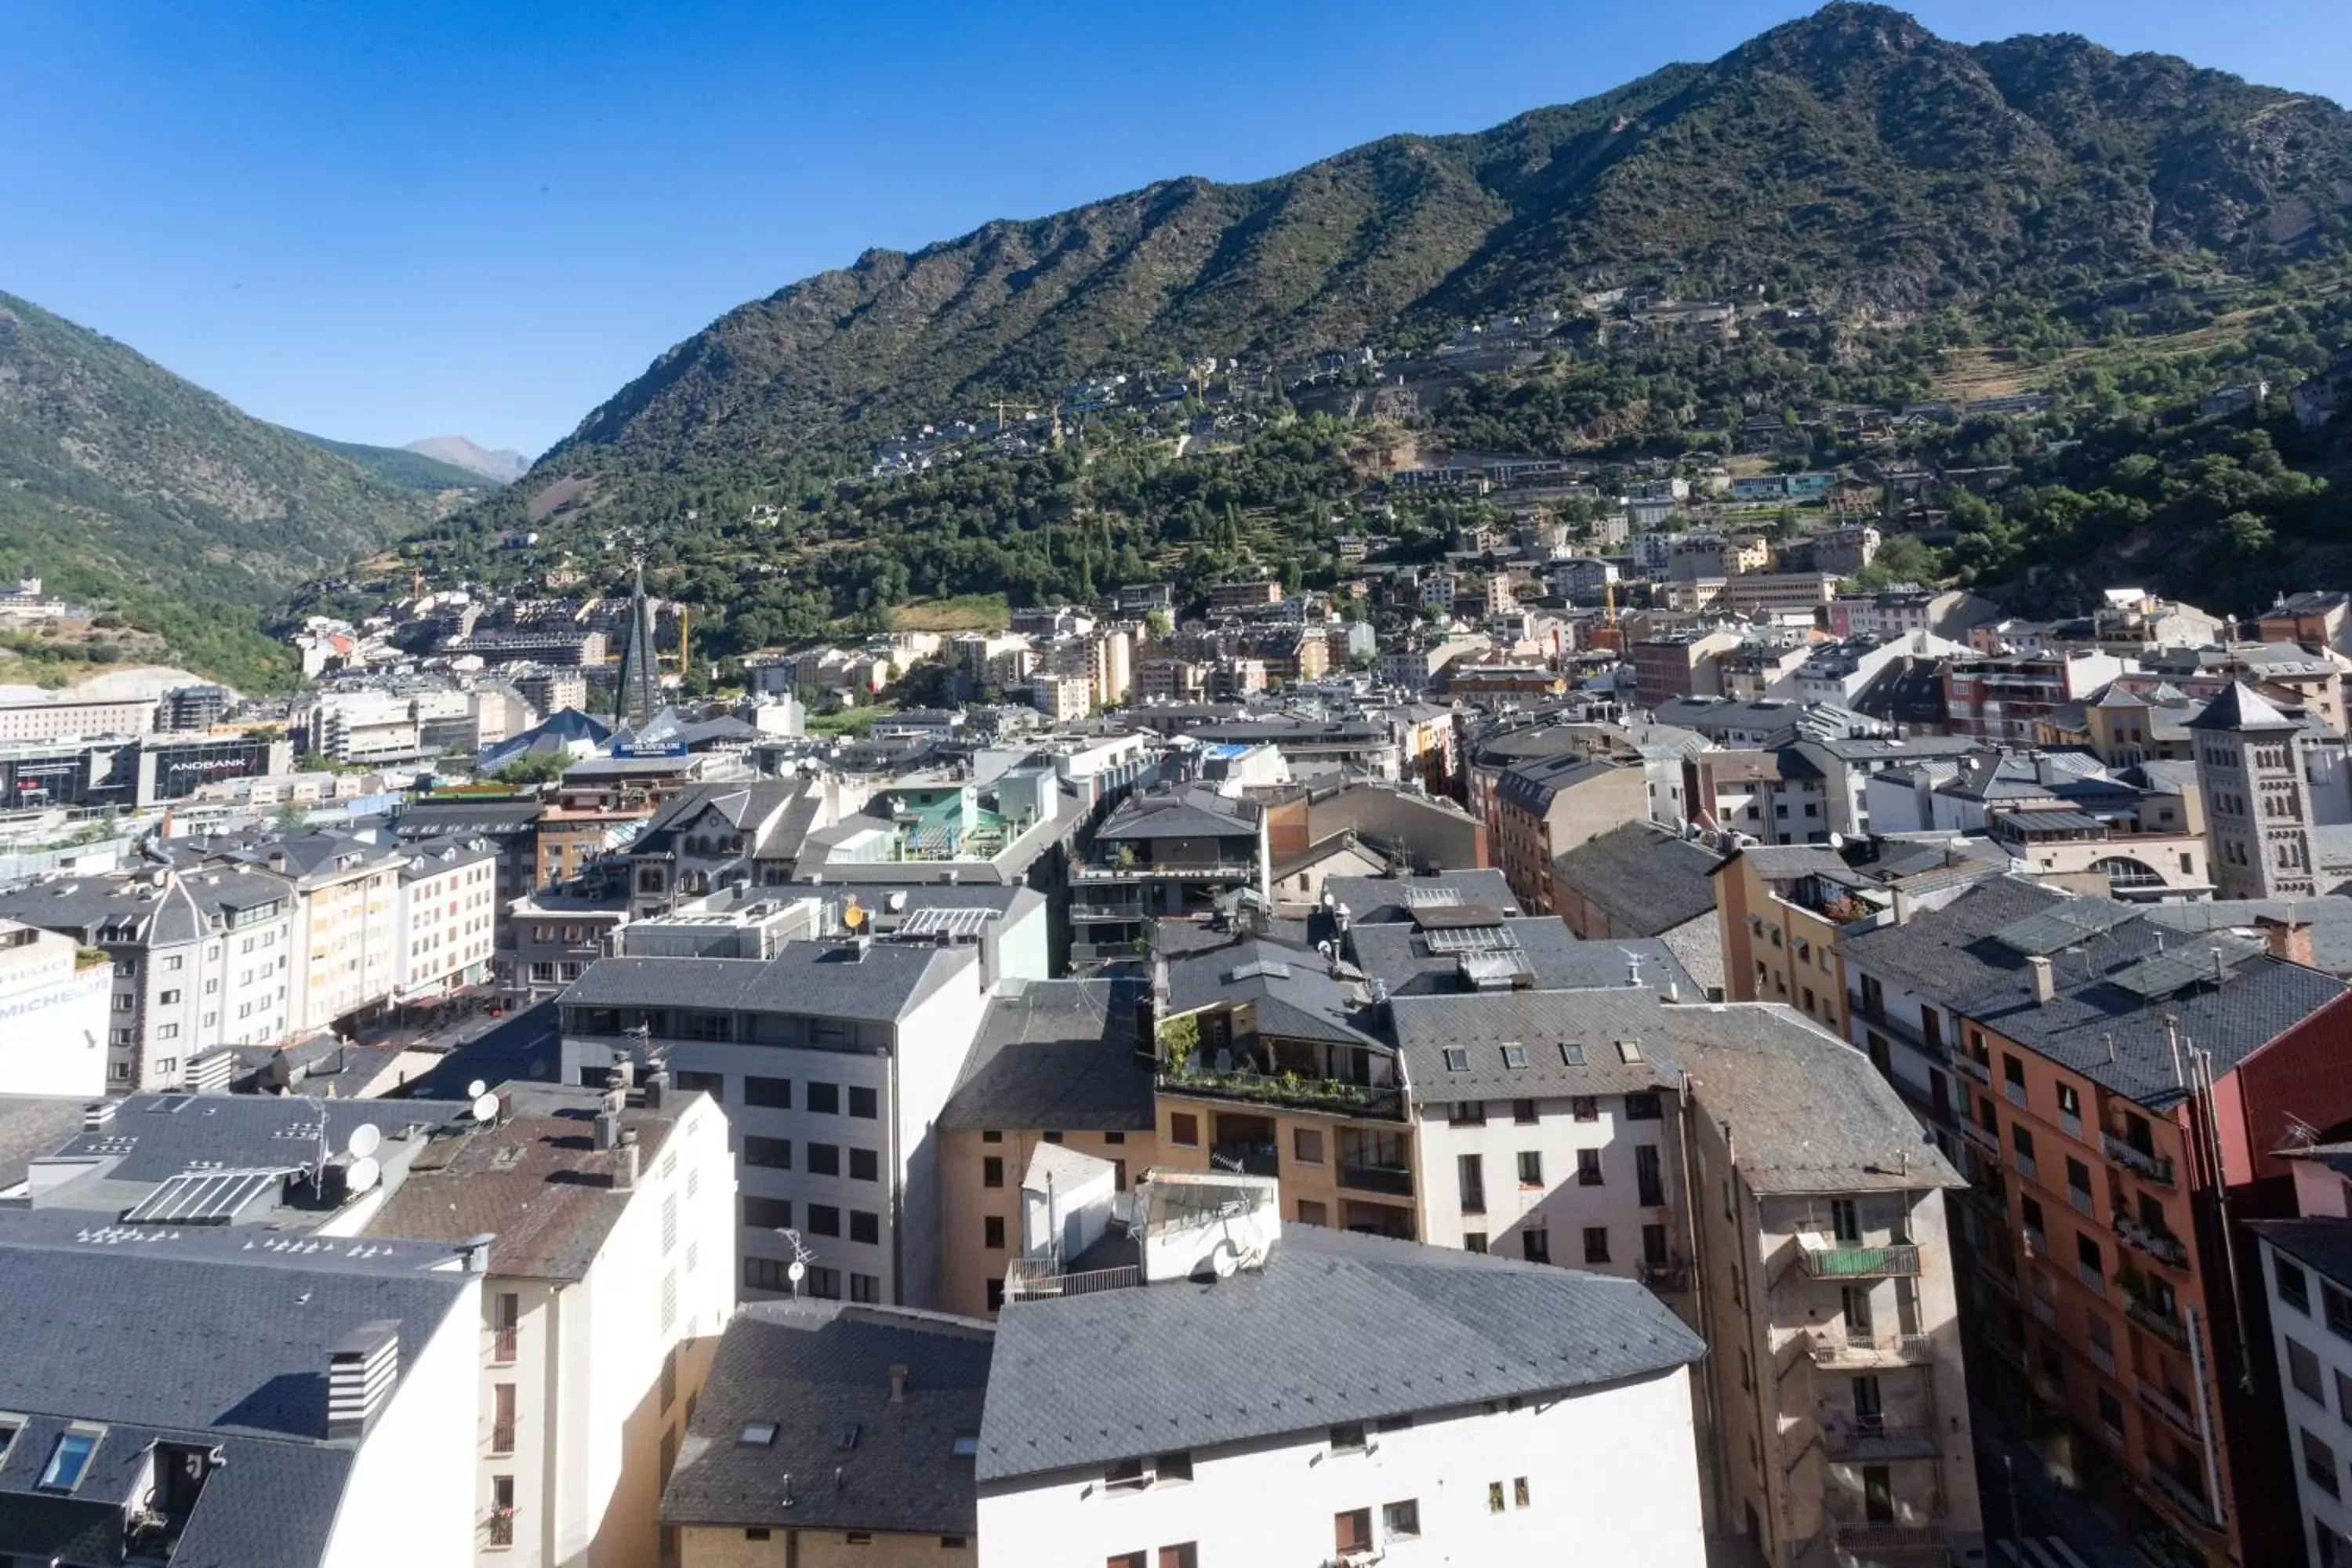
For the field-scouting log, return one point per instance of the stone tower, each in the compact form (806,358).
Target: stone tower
(2257,805)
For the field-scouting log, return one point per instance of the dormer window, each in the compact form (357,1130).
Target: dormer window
(69,1460)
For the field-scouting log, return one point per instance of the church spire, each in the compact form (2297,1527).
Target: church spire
(636,696)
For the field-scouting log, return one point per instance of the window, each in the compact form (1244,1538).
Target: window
(768,1093)
(1185,1555)
(502,1509)
(1531,1168)
(866,1226)
(1401,1521)
(1572,1054)
(1128,1559)
(865,1287)
(2293,1287)
(2302,1371)
(1523,1113)
(1641,1107)
(713,1084)
(824,1284)
(862,1102)
(825,1099)
(1494,1497)
(823,1219)
(1307,1143)
(1466,1113)
(991,1171)
(1353,1530)
(1347,1438)
(2318,1463)
(1649,1176)
(1519,1492)
(1312,1212)
(1584,1107)
(1474,1241)
(865,1165)
(766,1274)
(1596,1244)
(2337,1309)
(1127,1476)
(1588,1168)
(1845,1221)
(772,1153)
(824,1158)
(1173,1468)
(71,1459)
(992,1231)
(1183,1129)
(167,998)
(2342,1403)
(1457,1059)
(1536,1246)
(767,1214)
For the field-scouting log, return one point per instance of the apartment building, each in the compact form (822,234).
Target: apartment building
(1316,1427)
(1543,1132)
(1825,1291)
(54,1013)
(1774,797)
(771,1475)
(833,1060)
(1679,664)
(2011,696)
(1267,1064)
(448,902)
(713,837)
(1546,807)
(2116,1089)
(202,957)
(2307,1273)
(1162,853)
(1055,1064)
(602,1296)
(349,937)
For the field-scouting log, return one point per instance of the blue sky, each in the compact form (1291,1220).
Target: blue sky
(382,220)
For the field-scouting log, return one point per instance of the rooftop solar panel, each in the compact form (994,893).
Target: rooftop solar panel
(1444,916)
(2161,974)
(1496,938)
(202,1197)
(2065,925)
(949,922)
(1430,898)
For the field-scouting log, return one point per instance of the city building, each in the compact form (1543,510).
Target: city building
(1162,853)
(1545,807)
(2307,1273)
(54,1014)
(447,916)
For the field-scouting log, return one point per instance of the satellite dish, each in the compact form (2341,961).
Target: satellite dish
(486,1108)
(1226,1259)
(796,1271)
(852,915)
(476,1089)
(365,1139)
(363,1175)
(1837,841)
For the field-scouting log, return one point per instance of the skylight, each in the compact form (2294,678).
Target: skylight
(967,1445)
(1457,1059)
(1514,1055)
(1572,1054)
(757,1435)
(1629,1050)
(69,1460)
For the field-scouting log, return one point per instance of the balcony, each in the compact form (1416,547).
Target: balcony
(1038,1281)
(1861,1262)
(2165,1249)
(2156,1168)
(1842,1349)
(1870,1438)
(1983,1138)
(1874,1541)
(1981,1071)
(503,1343)
(1105,952)
(2014,1093)
(2179,1496)
(2003,1347)
(2102,1356)
(498,1527)
(1084,911)
(1394,1179)
(1670,1277)
(2156,1321)
(1997,1274)
(1250,1156)
(2160,1400)
(2027,1166)
(502,1436)
(1285,1088)
(2045,1311)
(1200,871)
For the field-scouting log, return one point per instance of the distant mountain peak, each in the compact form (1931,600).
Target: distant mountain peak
(503,465)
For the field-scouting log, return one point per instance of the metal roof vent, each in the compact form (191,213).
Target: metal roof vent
(362,1368)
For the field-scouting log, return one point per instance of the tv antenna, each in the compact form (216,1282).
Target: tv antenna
(797,1270)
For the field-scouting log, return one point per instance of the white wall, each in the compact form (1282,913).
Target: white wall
(934,1041)
(1612,1478)
(53,1021)
(2303,1413)
(1561,1207)
(410,1495)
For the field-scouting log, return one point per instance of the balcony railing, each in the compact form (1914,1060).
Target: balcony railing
(1254,1158)
(2164,1249)
(1671,1277)
(1219,871)
(502,1436)
(1862,1262)
(1039,1282)
(503,1343)
(2156,1320)
(1868,1438)
(1840,1348)
(2180,1495)
(1994,1273)
(1881,1539)
(2102,1356)
(498,1527)
(1984,1137)
(2154,1167)
(1394,1179)
(2160,1399)
(1284,1088)
(1981,1071)
(2007,1349)
(1083,911)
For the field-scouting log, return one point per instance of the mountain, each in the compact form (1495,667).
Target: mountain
(405,467)
(119,481)
(1851,159)
(503,466)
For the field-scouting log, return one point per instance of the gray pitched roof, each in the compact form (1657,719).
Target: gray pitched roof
(2239,707)
(823,979)
(1807,1112)
(155,1137)
(2323,1244)
(1087,1380)
(1644,878)
(1293,990)
(1934,953)
(1546,953)
(1186,813)
(844,1455)
(1539,1024)
(2330,920)
(1056,1056)
(1379,900)
(158,1340)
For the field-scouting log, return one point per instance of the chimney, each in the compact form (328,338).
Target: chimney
(361,1367)
(98,1115)
(625,1169)
(2046,983)
(1902,907)
(475,1252)
(657,1086)
(608,1132)
(898,1384)
(2289,939)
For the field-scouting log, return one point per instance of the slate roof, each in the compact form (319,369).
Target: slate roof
(819,978)
(1643,878)
(155,1137)
(1378,900)
(1936,952)
(821,1370)
(537,1181)
(2323,1244)
(1056,1056)
(1549,954)
(1532,786)
(190,905)
(1537,1023)
(2239,707)
(1294,993)
(1083,1381)
(30,1127)
(2330,920)
(157,1339)
(1807,1112)
(1183,813)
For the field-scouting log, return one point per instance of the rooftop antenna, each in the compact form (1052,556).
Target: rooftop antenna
(797,1270)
